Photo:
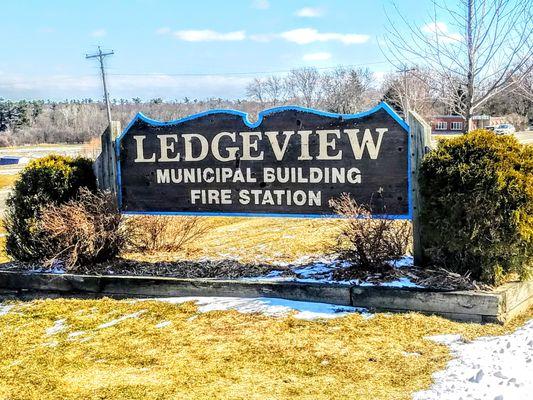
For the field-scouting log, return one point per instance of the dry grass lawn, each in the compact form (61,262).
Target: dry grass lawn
(256,240)
(7,180)
(252,240)
(216,355)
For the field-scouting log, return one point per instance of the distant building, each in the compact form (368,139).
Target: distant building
(9,160)
(454,124)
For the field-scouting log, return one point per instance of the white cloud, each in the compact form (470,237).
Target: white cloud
(439,30)
(207,35)
(98,33)
(309,12)
(163,31)
(321,56)
(261,4)
(311,35)
(263,38)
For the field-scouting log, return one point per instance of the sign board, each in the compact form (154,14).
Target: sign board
(290,162)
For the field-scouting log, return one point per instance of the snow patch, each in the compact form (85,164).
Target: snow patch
(123,318)
(269,306)
(445,339)
(306,270)
(487,368)
(404,262)
(313,269)
(5,309)
(58,326)
(401,283)
(75,334)
(163,324)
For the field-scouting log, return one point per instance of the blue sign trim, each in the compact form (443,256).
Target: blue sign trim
(381,106)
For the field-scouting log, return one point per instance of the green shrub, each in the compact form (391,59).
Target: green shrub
(477,213)
(46,181)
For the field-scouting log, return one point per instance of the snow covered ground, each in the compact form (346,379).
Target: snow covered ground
(321,271)
(495,368)
(269,306)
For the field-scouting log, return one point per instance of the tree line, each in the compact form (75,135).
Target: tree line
(341,90)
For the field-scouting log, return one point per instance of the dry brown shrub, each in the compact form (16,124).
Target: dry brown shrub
(369,243)
(163,233)
(82,231)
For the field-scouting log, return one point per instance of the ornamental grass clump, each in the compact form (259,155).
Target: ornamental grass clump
(42,183)
(477,214)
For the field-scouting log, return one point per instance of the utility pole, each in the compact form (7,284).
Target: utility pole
(100,55)
(406,105)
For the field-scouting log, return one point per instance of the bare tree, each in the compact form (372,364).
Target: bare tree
(256,90)
(268,90)
(275,89)
(524,82)
(405,90)
(304,86)
(486,49)
(346,90)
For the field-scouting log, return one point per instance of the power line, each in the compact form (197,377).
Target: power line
(159,74)
(244,73)
(185,74)
(100,55)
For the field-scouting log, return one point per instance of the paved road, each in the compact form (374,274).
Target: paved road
(525,137)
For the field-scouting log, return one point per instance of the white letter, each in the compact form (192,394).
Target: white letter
(140,150)
(244,198)
(195,195)
(304,145)
(324,144)
(268,175)
(216,150)
(166,147)
(163,176)
(315,175)
(354,175)
(279,152)
(315,198)
(368,142)
(225,196)
(188,146)
(247,145)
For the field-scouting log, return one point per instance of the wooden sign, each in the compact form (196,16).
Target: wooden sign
(290,162)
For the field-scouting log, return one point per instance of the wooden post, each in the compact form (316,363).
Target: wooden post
(420,132)
(105,166)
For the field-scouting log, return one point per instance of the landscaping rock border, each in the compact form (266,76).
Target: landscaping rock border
(497,306)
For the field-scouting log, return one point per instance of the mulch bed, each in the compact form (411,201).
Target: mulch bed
(221,269)
(440,279)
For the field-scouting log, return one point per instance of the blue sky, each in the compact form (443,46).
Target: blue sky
(44,43)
